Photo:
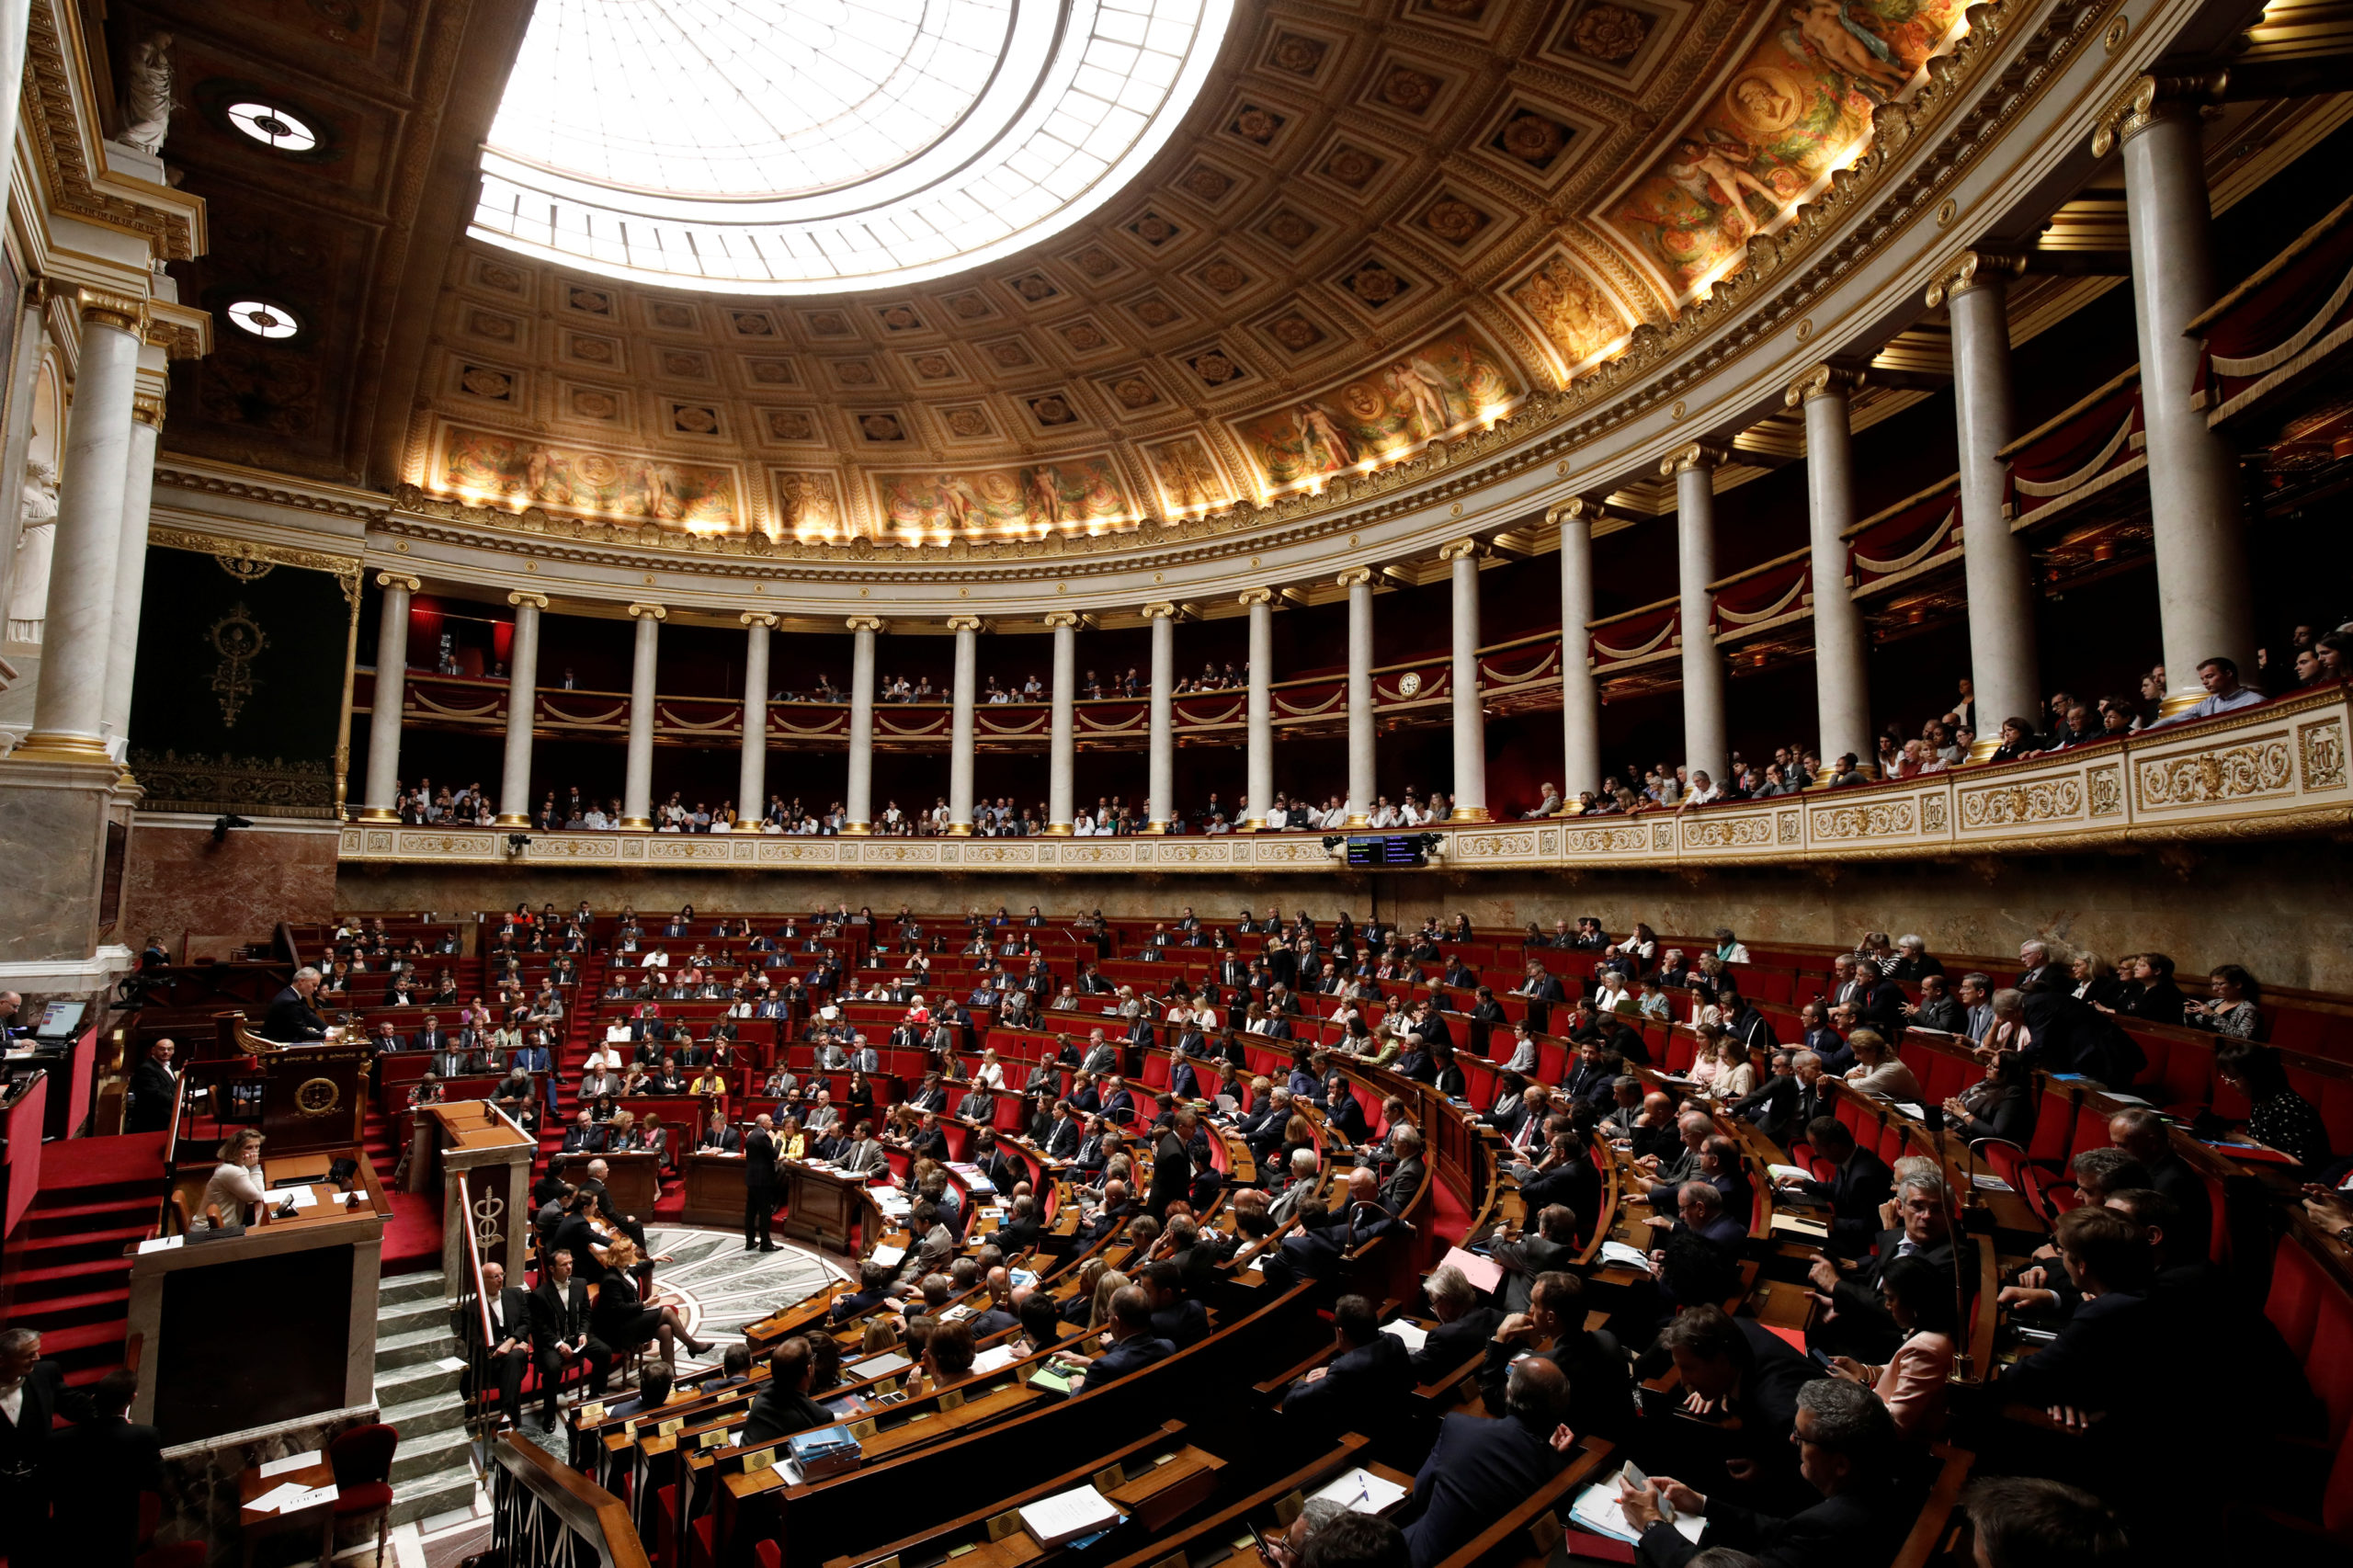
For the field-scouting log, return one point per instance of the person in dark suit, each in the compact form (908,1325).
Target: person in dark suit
(1405,1178)
(1463,1326)
(290,1019)
(95,1469)
(1020,1231)
(1845,1440)
(874,1280)
(1850,1318)
(1480,1470)
(1856,1188)
(1176,1317)
(1565,1175)
(783,1406)
(24,1438)
(2141,1132)
(1344,1114)
(1729,1420)
(560,1334)
(720,1137)
(1524,1258)
(1172,1165)
(1133,1344)
(1600,1398)
(1364,1383)
(153,1089)
(508,1349)
(759,1185)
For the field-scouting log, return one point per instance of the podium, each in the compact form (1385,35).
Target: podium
(714,1192)
(822,1206)
(486,1173)
(633,1179)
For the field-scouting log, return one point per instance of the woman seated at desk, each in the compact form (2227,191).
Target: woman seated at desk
(235,1193)
(621,1135)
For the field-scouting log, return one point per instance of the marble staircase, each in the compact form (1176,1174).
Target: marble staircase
(433,1471)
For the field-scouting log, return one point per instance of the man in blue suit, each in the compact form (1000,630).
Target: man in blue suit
(1133,1344)
(1480,1470)
(1367,1381)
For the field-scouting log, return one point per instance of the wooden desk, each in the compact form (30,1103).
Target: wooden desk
(715,1184)
(634,1180)
(822,1206)
(252,1526)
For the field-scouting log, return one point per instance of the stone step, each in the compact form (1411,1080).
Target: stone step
(425,1452)
(439,1492)
(405,1385)
(413,1348)
(403,1287)
(420,1418)
(401,1317)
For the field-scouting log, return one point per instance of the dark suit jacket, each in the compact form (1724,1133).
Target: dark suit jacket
(1130,1355)
(1403,1183)
(291,1018)
(1523,1261)
(1856,1190)
(1600,1387)
(555,1320)
(1477,1471)
(1844,1531)
(95,1470)
(46,1397)
(510,1317)
(153,1089)
(1451,1344)
(1186,1322)
(779,1413)
(1574,1183)
(1362,1388)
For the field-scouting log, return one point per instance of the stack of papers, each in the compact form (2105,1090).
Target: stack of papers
(996,1358)
(1066,1516)
(1789,1173)
(889,1256)
(301,1197)
(292,1497)
(1595,1511)
(291,1462)
(1485,1273)
(1360,1490)
(1631,1256)
(1413,1333)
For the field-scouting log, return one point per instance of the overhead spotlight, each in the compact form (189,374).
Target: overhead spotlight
(221,826)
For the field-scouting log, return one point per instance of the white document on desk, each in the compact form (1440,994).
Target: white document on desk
(1069,1514)
(888,1257)
(1413,1334)
(1360,1490)
(1596,1510)
(311,1498)
(291,1462)
(996,1358)
(1631,1256)
(301,1197)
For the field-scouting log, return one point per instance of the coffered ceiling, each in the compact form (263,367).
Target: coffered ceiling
(1383,225)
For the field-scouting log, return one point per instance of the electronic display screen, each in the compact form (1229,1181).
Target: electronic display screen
(1386,851)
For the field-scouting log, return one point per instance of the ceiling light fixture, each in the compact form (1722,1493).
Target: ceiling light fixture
(273,126)
(274,322)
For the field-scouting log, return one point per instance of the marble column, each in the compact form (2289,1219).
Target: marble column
(1469,717)
(1260,773)
(69,706)
(967,628)
(130,574)
(1160,796)
(637,782)
(1706,748)
(1842,690)
(1362,737)
(1580,694)
(1061,760)
(1996,572)
(860,795)
(377,802)
(24,374)
(2205,605)
(752,772)
(522,709)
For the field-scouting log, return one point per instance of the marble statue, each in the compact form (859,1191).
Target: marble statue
(147,95)
(36,539)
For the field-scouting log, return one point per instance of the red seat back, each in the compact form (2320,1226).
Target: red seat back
(363,1454)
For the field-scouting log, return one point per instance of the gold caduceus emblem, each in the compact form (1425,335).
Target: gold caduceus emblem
(317,1096)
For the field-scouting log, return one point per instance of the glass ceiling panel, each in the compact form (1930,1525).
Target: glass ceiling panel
(811,146)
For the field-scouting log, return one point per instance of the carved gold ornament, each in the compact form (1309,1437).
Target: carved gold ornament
(317,1096)
(239,640)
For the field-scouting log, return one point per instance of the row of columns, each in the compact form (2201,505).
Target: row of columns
(515,793)
(98,571)
(2203,597)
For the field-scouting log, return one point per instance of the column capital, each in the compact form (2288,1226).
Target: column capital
(766,617)
(147,408)
(1575,510)
(966,623)
(1822,380)
(1978,269)
(2150,100)
(105,308)
(1698,455)
(520,597)
(867,623)
(659,613)
(1058,617)
(1460,548)
(1256,596)
(1162,610)
(1354,575)
(387,579)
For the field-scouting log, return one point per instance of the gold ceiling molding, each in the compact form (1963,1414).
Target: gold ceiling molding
(233,553)
(269,488)
(171,222)
(1745,312)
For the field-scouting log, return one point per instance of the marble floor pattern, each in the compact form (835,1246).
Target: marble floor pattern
(724,1287)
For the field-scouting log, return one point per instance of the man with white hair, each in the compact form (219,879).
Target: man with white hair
(2034,964)
(290,1019)
(1301,1188)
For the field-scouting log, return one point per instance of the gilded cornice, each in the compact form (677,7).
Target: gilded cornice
(1868,206)
(238,555)
(268,489)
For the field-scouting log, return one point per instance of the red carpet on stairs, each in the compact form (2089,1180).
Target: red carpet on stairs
(69,1276)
